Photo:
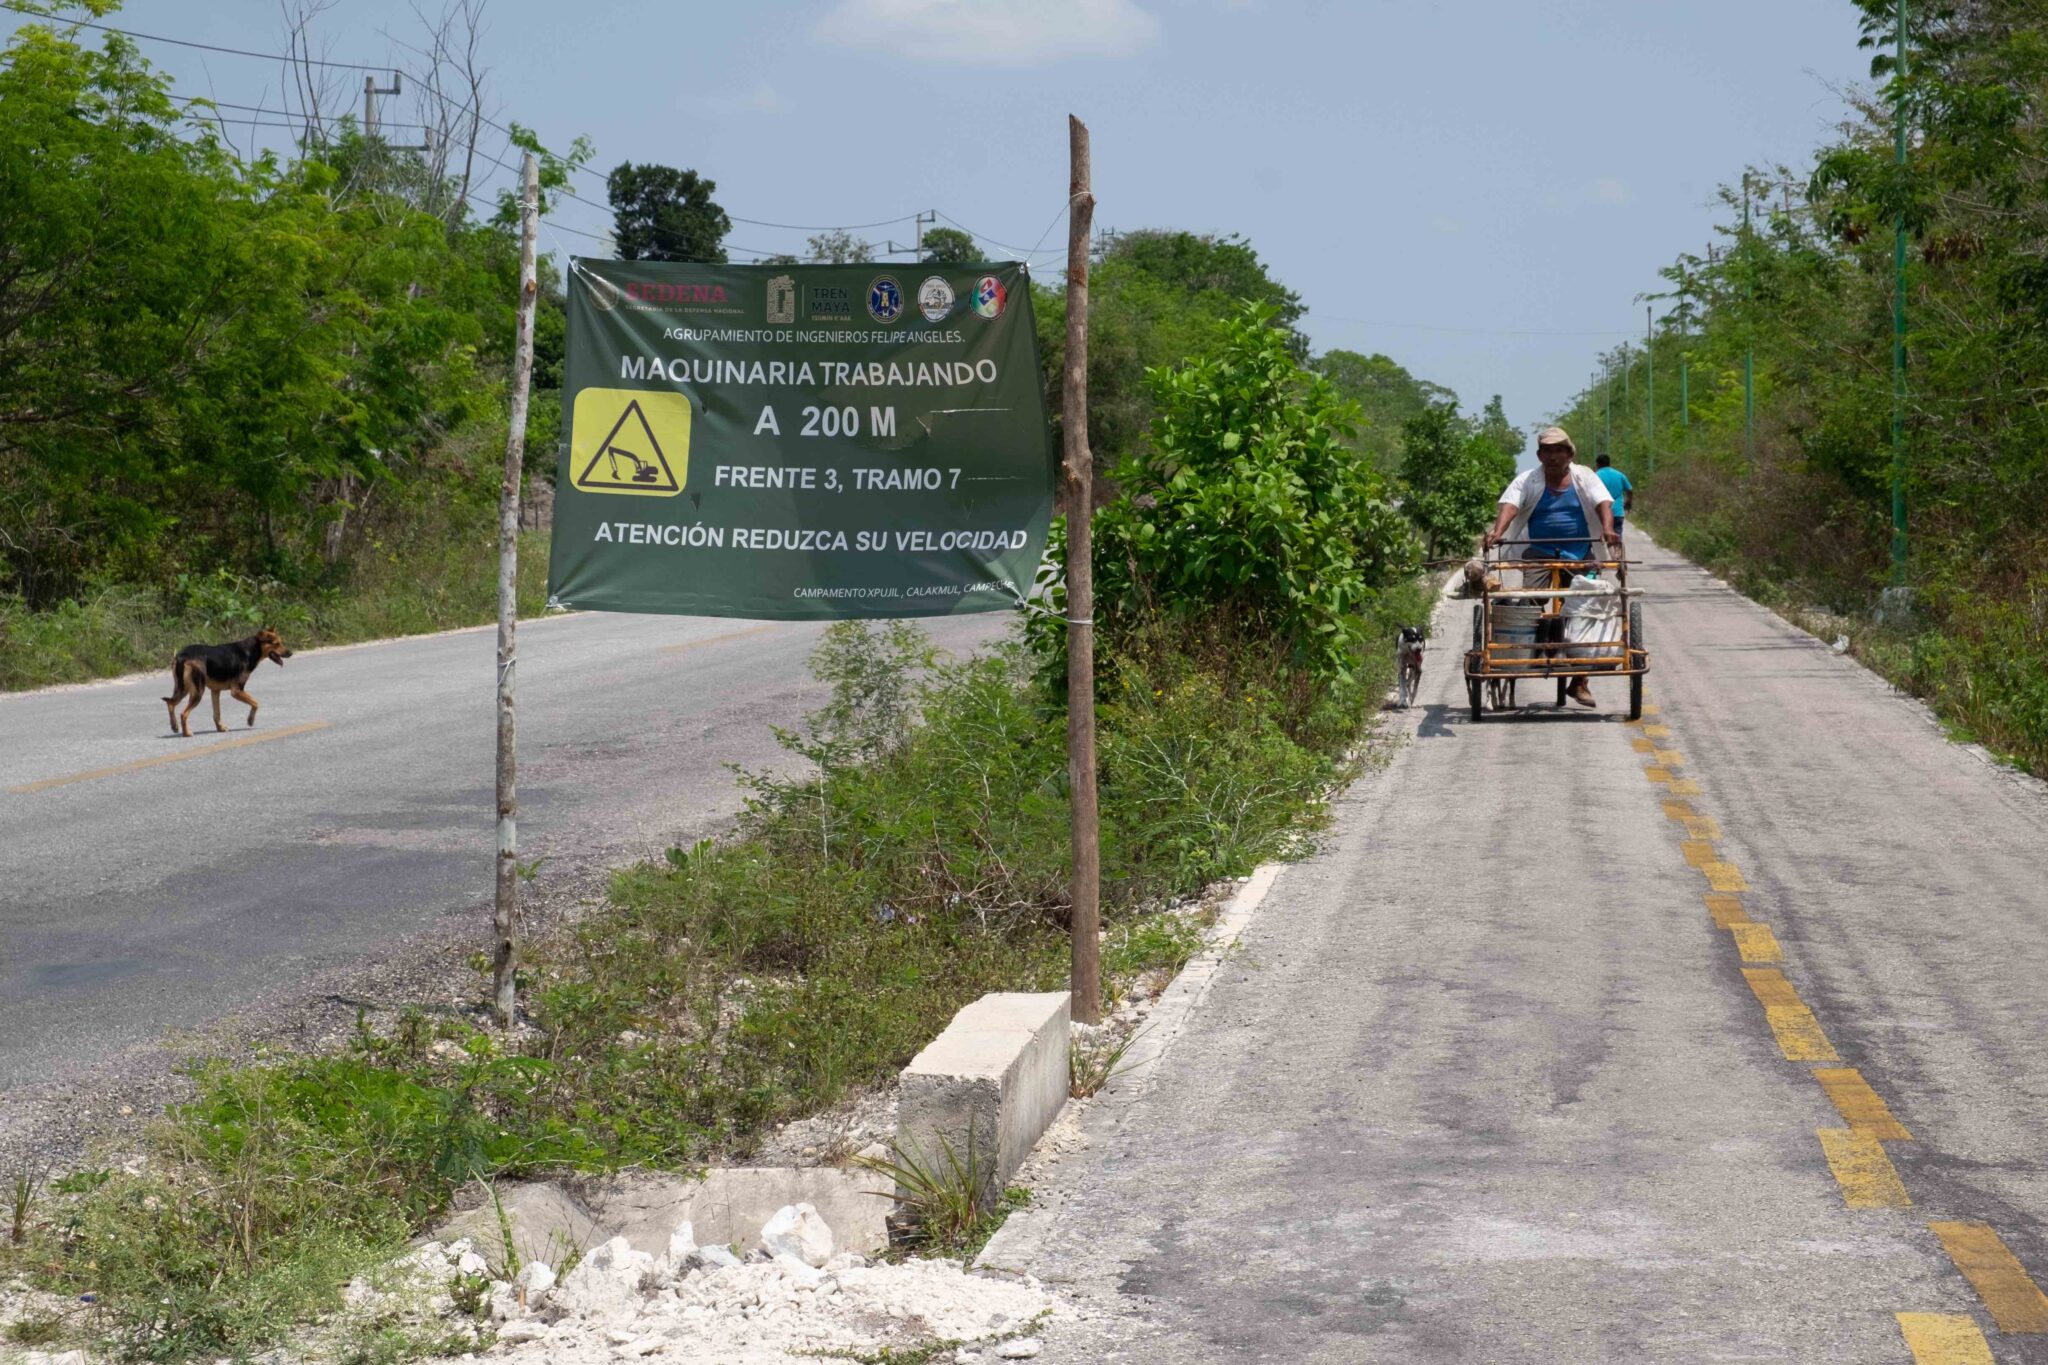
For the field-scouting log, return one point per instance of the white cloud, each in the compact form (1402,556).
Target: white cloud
(1608,190)
(990,32)
(764,100)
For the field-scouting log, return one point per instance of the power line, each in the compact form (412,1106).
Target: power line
(285,113)
(204,47)
(459,112)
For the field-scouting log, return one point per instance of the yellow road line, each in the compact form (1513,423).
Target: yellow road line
(717,639)
(1724,876)
(1702,827)
(2017,1304)
(1756,943)
(1799,1034)
(1698,852)
(1944,1339)
(1657,731)
(1651,708)
(1727,911)
(1863,1108)
(1866,1175)
(1642,746)
(1678,810)
(1670,758)
(1657,774)
(1688,787)
(1771,987)
(139,764)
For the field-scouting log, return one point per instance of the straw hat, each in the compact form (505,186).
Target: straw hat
(1555,436)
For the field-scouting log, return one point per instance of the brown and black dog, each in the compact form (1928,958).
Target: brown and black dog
(219,668)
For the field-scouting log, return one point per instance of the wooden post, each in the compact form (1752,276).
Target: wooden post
(505,918)
(1080,489)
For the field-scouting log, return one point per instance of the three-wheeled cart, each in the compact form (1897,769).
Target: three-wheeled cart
(1520,626)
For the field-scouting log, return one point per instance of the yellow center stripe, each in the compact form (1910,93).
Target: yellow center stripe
(1756,943)
(1685,787)
(1678,810)
(1702,827)
(1861,1168)
(1727,911)
(2017,1304)
(1724,876)
(1944,1339)
(139,764)
(1670,758)
(1698,852)
(1657,731)
(1799,1034)
(1642,746)
(1863,1108)
(1657,774)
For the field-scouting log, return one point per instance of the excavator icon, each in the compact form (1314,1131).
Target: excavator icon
(643,472)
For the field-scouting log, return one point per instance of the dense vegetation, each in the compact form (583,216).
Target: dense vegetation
(1800,510)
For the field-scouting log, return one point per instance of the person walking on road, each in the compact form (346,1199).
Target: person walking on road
(1618,484)
(1553,509)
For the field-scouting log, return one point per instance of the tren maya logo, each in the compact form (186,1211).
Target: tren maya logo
(885,299)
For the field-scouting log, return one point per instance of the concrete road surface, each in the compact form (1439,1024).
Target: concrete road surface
(1490,1080)
(151,884)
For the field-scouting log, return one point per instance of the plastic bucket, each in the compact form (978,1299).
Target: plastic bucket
(1514,629)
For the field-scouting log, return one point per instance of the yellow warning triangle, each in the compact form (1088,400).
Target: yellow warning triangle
(629,459)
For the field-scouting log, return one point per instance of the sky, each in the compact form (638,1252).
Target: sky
(1481,189)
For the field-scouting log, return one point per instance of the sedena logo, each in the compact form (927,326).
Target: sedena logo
(629,441)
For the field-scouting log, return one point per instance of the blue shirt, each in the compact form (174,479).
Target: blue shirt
(1617,484)
(1558,527)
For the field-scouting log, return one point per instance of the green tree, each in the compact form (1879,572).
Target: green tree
(1505,436)
(660,213)
(1387,396)
(950,246)
(839,247)
(1451,477)
(1247,500)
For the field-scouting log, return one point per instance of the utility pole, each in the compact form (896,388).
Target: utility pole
(505,915)
(1650,382)
(1085,921)
(370,93)
(1627,364)
(928,218)
(1899,321)
(1749,334)
(1607,397)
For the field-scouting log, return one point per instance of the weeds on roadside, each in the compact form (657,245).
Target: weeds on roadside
(1094,1063)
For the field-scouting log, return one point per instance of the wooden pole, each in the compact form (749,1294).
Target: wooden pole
(1080,489)
(505,917)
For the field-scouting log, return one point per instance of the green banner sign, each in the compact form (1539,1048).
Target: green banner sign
(787,442)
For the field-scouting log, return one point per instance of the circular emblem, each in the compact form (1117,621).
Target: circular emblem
(934,299)
(604,295)
(989,296)
(885,299)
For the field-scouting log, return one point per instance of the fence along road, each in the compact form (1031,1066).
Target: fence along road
(1716,1037)
(151,885)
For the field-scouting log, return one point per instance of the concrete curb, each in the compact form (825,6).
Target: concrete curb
(1017,1244)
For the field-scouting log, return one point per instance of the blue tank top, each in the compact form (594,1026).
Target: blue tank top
(1558,526)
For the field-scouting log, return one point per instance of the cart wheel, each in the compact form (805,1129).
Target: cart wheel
(1473,689)
(1635,642)
(1478,626)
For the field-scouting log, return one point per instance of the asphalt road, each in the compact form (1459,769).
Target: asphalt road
(151,886)
(1485,1080)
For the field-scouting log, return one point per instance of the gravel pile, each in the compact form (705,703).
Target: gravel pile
(788,1304)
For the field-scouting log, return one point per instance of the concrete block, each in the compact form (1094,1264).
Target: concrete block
(991,1083)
